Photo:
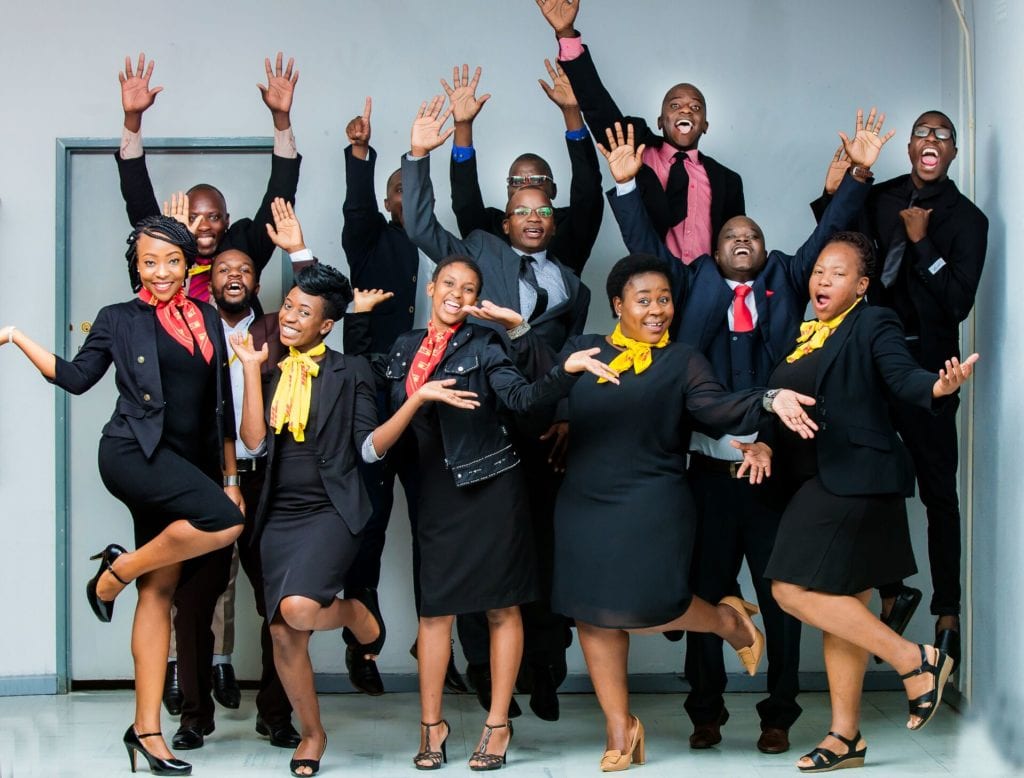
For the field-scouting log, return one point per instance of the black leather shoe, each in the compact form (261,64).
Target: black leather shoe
(282,735)
(363,673)
(948,640)
(544,694)
(173,696)
(188,738)
(104,609)
(480,678)
(225,686)
(708,735)
(674,635)
(773,740)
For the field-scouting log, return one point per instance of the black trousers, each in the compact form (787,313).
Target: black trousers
(932,442)
(546,634)
(737,520)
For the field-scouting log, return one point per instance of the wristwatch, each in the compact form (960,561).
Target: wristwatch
(768,400)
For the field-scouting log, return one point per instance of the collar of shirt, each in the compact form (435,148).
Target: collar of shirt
(540,256)
(733,284)
(242,326)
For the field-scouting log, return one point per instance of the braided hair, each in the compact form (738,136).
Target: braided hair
(162,228)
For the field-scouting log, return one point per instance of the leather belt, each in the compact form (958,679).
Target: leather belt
(712,465)
(251,465)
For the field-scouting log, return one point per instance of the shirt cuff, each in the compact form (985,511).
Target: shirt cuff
(462,153)
(626,188)
(368,452)
(284,144)
(131,144)
(255,453)
(302,255)
(570,48)
(580,134)
(409,156)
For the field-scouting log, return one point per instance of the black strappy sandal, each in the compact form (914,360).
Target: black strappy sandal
(927,705)
(826,760)
(104,609)
(490,761)
(432,760)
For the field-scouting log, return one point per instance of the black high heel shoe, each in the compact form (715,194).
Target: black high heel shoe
(157,765)
(485,760)
(104,610)
(432,760)
(313,765)
(368,597)
(926,705)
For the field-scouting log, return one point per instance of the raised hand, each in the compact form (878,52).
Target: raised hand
(583,361)
(242,346)
(915,221)
(867,142)
(954,375)
(365,300)
(559,433)
(285,232)
(624,162)
(788,406)
(280,89)
(488,311)
(358,130)
(441,391)
(136,96)
(836,170)
(561,15)
(177,209)
(462,94)
(560,92)
(427,129)
(757,460)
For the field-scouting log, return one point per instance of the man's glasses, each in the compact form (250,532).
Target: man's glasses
(941,133)
(528,180)
(543,211)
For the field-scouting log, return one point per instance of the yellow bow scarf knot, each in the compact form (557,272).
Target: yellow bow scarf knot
(295,390)
(637,354)
(814,333)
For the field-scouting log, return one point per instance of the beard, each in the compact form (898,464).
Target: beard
(241,306)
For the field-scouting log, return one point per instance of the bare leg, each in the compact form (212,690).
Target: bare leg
(433,647)
(179,541)
(506,631)
(702,616)
(151,636)
(308,615)
(607,654)
(291,658)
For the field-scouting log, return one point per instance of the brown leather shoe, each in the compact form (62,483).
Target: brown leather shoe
(708,735)
(773,740)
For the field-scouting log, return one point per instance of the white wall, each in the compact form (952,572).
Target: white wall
(781,76)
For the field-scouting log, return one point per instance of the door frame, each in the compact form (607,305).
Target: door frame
(66,149)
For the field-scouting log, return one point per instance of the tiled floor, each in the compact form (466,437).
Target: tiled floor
(80,735)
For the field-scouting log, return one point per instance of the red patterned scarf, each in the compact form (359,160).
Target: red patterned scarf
(182,320)
(428,357)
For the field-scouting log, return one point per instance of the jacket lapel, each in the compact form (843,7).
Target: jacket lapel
(331,378)
(834,344)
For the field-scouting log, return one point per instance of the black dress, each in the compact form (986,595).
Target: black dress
(624,519)
(827,542)
(305,547)
(475,543)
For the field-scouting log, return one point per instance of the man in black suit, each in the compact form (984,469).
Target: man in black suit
(742,309)
(931,243)
(688,195)
(576,225)
(216,232)
(521,275)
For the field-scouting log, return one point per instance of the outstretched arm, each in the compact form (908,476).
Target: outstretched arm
(136,97)
(45,362)
(136,94)
(388,433)
(279,90)
(467,199)
(362,222)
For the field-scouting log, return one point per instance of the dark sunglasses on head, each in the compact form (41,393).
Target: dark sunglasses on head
(941,133)
(543,211)
(528,180)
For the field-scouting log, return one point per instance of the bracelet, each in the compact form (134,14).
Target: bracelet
(519,330)
(768,401)
(232,480)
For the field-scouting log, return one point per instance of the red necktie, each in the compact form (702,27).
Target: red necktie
(742,321)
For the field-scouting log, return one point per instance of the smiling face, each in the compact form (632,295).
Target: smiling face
(836,281)
(531,232)
(930,157)
(302,320)
(211,206)
(233,281)
(645,309)
(740,253)
(457,285)
(683,117)
(161,267)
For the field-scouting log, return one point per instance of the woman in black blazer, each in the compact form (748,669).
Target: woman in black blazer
(844,531)
(164,453)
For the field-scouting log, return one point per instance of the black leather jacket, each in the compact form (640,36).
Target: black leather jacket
(476,443)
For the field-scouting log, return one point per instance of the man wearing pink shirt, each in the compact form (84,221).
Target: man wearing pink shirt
(688,195)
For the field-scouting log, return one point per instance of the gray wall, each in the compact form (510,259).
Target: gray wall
(781,79)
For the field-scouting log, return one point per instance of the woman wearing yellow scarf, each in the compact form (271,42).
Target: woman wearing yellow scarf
(844,531)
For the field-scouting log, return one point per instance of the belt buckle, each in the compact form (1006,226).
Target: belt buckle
(734,469)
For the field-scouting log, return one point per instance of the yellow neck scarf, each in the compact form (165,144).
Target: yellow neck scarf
(636,355)
(294,390)
(813,334)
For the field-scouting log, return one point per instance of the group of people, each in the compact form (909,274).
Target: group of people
(712,424)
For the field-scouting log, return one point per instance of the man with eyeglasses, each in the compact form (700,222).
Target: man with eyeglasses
(688,195)
(524,275)
(578,224)
(931,243)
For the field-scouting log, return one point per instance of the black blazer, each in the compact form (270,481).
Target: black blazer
(346,415)
(703,298)
(865,365)
(601,113)
(125,334)
(576,226)
(380,254)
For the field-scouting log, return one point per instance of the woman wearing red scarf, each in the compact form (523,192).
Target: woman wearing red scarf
(167,453)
